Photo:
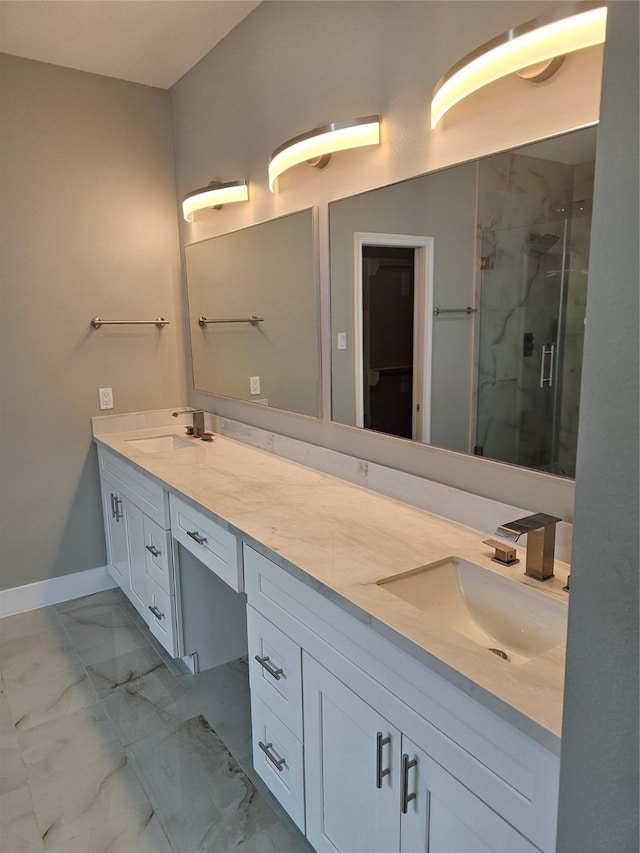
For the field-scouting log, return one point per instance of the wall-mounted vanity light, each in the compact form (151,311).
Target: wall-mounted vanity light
(316,146)
(214,195)
(534,50)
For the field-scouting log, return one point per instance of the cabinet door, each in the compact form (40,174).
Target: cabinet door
(115,529)
(352,758)
(440,815)
(134,522)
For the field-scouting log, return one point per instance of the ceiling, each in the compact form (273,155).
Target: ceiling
(153,42)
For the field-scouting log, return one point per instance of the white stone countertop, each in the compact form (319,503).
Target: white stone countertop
(342,539)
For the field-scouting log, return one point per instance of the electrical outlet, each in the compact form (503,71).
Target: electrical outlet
(105,395)
(254,384)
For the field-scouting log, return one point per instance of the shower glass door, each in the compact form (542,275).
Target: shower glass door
(531,332)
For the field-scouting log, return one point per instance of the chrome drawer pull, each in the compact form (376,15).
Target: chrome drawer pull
(405,796)
(264,663)
(156,612)
(278,763)
(153,550)
(380,773)
(197,536)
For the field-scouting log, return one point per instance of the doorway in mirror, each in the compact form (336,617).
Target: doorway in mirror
(387,339)
(392,296)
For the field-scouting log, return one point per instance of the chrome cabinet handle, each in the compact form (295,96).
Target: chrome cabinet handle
(405,796)
(153,550)
(547,351)
(115,507)
(278,763)
(276,672)
(156,612)
(197,536)
(117,503)
(380,773)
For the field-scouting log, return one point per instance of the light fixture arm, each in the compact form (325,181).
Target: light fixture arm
(319,162)
(541,70)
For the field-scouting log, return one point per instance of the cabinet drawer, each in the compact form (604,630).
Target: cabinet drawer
(145,493)
(157,546)
(277,759)
(207,540)
(161,617)
(275,670)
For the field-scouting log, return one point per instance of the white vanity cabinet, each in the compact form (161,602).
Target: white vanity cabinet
(370,789)
(379,727)
(136,516)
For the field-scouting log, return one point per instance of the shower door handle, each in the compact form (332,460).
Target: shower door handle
(548,379)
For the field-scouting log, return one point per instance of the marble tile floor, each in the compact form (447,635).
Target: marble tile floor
(107,744)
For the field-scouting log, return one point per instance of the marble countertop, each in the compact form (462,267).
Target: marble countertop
(343,538)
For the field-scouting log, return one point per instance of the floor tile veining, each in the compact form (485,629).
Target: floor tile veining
(107,744)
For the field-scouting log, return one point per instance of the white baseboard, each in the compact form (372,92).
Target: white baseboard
(54,590)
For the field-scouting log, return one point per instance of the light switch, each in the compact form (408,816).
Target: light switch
(342,340)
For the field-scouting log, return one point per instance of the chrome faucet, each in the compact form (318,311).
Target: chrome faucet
(541,539)
(197,429)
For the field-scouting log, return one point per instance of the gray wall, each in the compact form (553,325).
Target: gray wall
(88,222)
(442,206)
(269,271)
(599,761)
(289,67)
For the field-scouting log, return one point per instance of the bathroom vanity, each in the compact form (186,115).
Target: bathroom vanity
(378,724)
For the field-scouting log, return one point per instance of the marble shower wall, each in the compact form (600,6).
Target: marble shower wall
(525,208)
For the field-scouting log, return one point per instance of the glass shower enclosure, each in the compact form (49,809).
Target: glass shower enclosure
(533,289)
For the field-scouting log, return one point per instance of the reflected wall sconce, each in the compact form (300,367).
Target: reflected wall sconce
(214,195)
(534,51)
(316,146)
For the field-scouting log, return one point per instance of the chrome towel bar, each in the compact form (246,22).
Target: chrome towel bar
(467,310)
(252,319)
(160,322)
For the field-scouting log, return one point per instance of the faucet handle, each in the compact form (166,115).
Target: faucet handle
(504,554)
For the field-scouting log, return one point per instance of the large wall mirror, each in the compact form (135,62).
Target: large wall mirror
(253,313)
(458,303)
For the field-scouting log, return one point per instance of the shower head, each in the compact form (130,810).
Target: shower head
(542,244)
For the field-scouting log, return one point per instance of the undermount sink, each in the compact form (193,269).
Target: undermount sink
(504,616)
(157,443)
